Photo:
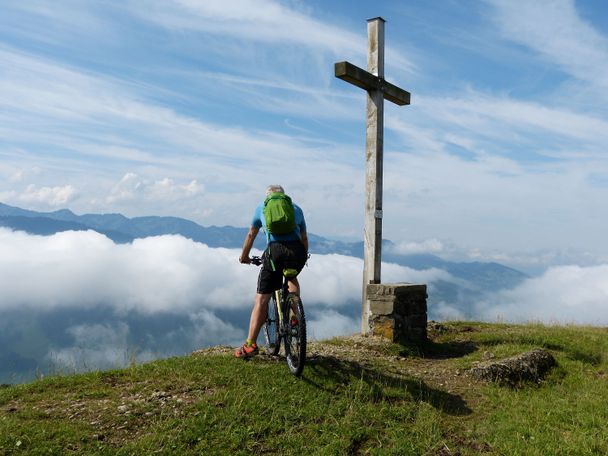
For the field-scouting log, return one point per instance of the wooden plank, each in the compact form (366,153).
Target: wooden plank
(367,81)
(355,75)
(374,153)
(394,94)
(375,46)
(374,176)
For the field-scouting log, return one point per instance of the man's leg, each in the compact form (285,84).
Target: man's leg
(258,315)
(293,286)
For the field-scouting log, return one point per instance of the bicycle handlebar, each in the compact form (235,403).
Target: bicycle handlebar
(259,260)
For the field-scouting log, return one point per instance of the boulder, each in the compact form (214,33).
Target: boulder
(529,366)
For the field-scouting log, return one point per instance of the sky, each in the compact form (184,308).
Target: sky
(190,109)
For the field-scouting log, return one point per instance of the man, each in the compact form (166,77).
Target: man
(284,250)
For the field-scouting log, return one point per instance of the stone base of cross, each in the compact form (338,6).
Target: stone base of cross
(378,90)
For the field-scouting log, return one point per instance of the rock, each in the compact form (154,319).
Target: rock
(529,366)
(436,327)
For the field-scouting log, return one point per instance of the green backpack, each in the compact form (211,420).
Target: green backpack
(279,214)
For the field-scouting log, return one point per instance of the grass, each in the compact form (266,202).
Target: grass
(356,396)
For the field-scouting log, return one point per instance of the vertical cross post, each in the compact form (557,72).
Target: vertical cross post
(374,157)
(377,89)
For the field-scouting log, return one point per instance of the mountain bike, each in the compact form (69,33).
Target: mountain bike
(286,322)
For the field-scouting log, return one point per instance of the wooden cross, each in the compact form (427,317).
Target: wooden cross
(377,89)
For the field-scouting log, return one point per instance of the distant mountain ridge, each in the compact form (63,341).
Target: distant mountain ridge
(121,229)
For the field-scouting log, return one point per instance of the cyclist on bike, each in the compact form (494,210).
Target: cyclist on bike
(289,250)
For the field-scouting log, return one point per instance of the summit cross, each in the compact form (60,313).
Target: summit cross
(378,90)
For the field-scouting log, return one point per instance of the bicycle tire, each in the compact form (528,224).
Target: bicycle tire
(295,337)
(271,329)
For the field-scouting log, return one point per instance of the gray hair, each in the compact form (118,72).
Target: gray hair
(274,189)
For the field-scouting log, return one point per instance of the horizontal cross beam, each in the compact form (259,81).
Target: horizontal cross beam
(367,81)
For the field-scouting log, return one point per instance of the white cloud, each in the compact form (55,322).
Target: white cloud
(132,188)
(426,246)
(158,274)
(17,176)
(50,196)
(211,330)
(556,30)
(266,21)
(491,202)
(564,294)
(330,324)
(263,20)
(483,123)
(444,311)
(95,346)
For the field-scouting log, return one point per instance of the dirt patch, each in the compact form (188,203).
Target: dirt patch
(217,350)
(375,353)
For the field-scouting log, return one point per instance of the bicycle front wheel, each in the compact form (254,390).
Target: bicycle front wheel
(295,339)
(271,328)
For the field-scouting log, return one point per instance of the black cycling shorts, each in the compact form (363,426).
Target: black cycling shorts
(284,255)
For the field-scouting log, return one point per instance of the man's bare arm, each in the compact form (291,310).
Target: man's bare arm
(248,244)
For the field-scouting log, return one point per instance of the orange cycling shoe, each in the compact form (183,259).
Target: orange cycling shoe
(246,351)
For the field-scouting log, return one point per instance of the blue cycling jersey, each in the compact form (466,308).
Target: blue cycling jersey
(259,222)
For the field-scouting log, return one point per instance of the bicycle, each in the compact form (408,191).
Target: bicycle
(285,321)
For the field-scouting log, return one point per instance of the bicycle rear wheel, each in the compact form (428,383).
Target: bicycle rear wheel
(271,328)
(295,339)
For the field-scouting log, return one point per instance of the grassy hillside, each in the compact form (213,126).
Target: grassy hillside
(357,396)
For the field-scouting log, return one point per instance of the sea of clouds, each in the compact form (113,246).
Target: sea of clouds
(101,304)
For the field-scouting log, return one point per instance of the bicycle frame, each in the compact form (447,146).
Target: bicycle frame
(281,299)
(280,304)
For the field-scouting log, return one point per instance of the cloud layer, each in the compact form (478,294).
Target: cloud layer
(158,274)
(566,294)
(99,304)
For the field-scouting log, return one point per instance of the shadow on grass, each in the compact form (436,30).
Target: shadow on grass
(446,350)
(590,358)
(383,387)
(437,350)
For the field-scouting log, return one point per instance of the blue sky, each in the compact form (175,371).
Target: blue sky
(190,108)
